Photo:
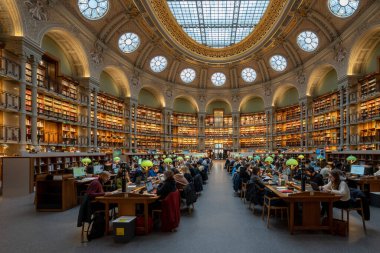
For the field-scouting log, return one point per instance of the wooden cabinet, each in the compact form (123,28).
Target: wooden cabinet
(55,193)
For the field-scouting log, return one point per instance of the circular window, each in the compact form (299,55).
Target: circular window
(93,9)
(158,64)
(278,62)
(248,75)
(129,42)
(343,8)
(307,41)
(188,75)
(218,79)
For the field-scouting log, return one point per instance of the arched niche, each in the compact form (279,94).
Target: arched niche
(252,105)
(183,105)
(109,85)
(148,99)
(328,83)
(373,63)
(72,48)
(55,51)
(363,51)
(218,104)
(289,97)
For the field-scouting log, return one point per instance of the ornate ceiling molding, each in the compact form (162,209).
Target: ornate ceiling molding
(163,19)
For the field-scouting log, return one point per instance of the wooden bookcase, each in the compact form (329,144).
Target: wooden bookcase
(55,195)
(253,130)
(184,131)
(367,157)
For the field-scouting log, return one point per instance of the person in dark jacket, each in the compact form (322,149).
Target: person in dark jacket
(167,186)
(315,177)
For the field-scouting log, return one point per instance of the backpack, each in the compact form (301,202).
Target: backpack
(97,226)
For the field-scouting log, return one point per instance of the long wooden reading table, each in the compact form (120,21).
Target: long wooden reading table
(311,208)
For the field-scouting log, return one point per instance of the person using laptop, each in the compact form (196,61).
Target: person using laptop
(95,189)
(168,186)
(339,187)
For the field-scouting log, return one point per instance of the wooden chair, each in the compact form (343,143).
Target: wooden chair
(355,208)
(268,205)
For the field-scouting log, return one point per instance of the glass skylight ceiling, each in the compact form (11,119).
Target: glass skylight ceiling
(218,24)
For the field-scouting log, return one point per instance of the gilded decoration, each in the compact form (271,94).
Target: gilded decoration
(170,24)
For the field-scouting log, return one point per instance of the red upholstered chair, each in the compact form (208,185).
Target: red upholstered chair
(171,213)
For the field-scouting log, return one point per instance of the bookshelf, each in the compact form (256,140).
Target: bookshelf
(326,103)
(367,157)
(184,131)
(287,127)
(369,86)
(57,109)
(253,130)
(69,87)
(108,103)
(151,120)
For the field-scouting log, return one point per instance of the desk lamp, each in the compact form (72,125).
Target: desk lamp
(164,156)
(116,159)
(146,165)
(187,157)
(301,157)
(250,157)
(269,160)
(281,155)
(257,158)
(351,159)
(180,158)
(168,161)
(86,161)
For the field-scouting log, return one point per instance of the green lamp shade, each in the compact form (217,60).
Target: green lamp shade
(170,156)
(163,156)
(301,157)
(179,158)
(156,156)
(86,160)
(187,157)
(116,159)
(351,159)
(257,158)
(146,164)
(273,155)
(320,157)
(168,160)
(250,157)
(281,155)
(269,159)
(292,162)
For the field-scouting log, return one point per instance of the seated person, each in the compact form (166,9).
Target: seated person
(168,186)
(153,171)
(95,189)
(186,173)
(313,176)
(244,176)
(336,186)
(258,188)
(179,179)
(138,174)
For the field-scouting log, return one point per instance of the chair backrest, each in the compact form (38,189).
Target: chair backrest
(171,212)
(85,212)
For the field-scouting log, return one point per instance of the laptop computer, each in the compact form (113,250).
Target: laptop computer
(149,186)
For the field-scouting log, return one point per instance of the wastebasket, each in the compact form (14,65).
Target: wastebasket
(124,228)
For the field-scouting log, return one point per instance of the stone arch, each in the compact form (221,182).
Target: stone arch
(157,93)
(249,97)
(11,18)
(189,98)
(72,47)
(120,78)
(362,49)
(216,100)
(280,90)
(316,75)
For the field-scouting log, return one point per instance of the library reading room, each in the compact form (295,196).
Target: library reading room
(137,125)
